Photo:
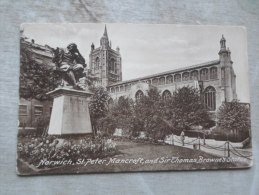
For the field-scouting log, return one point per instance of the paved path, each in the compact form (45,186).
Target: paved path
(219,148)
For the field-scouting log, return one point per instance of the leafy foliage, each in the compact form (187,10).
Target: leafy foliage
(187,110)
(234,117)
(54,149)
(98,106)
(122,113)
(119,115)
(106,125)
(149,115)
(36,79)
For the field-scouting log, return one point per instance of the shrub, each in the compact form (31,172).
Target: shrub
(234,120)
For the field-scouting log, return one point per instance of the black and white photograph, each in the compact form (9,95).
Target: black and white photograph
(97,98)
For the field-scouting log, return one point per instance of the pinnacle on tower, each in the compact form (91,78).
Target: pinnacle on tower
(223,38)
(223,42)
(105,32)
(104,42)
(92,46)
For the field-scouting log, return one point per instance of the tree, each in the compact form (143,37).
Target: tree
(148,115)
(35,79)
(234,118)
(123,107)
(106,125)
(119,115)
(186,109)
(98,106)
(122,112)
(151,114)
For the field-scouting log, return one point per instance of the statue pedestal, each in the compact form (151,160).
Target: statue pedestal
(70,112)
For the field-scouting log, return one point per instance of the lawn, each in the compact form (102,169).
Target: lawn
(132,156)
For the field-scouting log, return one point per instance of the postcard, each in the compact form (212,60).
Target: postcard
(98,98)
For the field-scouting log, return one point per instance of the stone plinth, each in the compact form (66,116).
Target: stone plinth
(70,112)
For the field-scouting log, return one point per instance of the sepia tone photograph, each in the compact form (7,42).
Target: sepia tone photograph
(98,98)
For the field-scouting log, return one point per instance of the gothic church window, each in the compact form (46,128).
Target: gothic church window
(204,74)
(139,95)
(155,81)
(112,65)
(161,81)
(97,63)
(177,78)
(185,76)
(166,95)
(115,67)
(213,73)
(210,98)
(169,79)
(194,75)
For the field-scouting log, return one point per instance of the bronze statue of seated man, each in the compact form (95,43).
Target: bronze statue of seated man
(70,63)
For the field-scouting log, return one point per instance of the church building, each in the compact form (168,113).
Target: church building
(216,79)
(105,63)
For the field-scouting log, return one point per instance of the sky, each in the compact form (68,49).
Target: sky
(152,48)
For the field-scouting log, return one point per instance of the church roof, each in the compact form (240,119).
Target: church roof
(193,67)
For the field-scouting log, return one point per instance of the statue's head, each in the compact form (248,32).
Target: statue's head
(72,47)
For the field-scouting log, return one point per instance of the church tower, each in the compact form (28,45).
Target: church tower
(227,76)
(105,63)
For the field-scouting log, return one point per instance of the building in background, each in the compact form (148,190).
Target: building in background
(215,79)
(30,110)
(105,63)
